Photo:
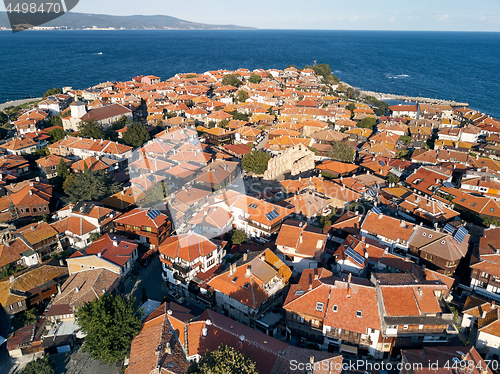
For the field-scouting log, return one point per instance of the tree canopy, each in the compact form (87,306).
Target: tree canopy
(392,178)
(136,135)
(231,80)
(62,170)
(52,91)
(367,123)
(238,237)
(91,129)
(242,96)
(255,78)
(110,322)
(89,186)
(39,366)
(341,151)
(224,360)
(56,134)
(256,162)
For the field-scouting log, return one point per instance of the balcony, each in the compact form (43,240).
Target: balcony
(181,268)
(357,339)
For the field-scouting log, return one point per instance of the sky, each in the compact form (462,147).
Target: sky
(430,15)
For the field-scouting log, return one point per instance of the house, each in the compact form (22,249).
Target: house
(427,179)
(441,250)
(388,231)
(484,316)
(12,167)
(485,275)
(83,148)
(80,288)
(48,165)
(93,163)
(300,245)
(255,217)
(20,146)
(184,256)
(308,205)
(32,287)
(250,287)
(412,312)
(105,116)
(40,237)
(30,198)
(356,255)
(17,253)
(212,222)
(148,227)
(55,104)
(401,110)
(445,360)
(338,314)
(113,253)
(184,338)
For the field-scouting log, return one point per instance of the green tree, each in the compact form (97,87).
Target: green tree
(341,151)
(110,322)
(367,123)
(94,236)
(238,237)
(231,80)
(91,129)
(239,116)
(223,361)
(62,170)
(120,123)
(351,107)
(406,139)
(255,78)
(256,161)
(136,135)
(353,93)
(3,118)
(52,91)
(30,317)
(55,121)
(42,152)
(392,178)
(56,134)
(42,365)
(402,153)
(242,96)
(91,185)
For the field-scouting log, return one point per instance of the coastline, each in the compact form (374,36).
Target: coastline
(19,102)
(386,96)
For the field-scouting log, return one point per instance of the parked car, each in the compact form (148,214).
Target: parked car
(177,298)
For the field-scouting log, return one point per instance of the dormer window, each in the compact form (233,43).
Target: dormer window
(319,306)
(358,313)
(430,236)
(299,292)
(424,234)
(335,308)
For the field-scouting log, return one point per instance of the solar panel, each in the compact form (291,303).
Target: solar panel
(153,213)
(372,193)
(376,210)
(461,234)
(448,185)
(355,256)
(449,229)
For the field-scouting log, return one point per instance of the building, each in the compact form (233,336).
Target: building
(83,148)
(30,198)
(171,338)
(33,287)
(251,287)
(48,165)
(20,146)
(183,257)
(148,227)
(113,253)
(485,275)
(300,246)
(105,116)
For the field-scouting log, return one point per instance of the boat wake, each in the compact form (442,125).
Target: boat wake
(399,76)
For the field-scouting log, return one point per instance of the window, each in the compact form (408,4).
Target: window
(45,208)
(27,210)
(319,306)
(148,229)
(450,263)
(39,209)
(136,228)
(358,313)
(405,327)
(335,308)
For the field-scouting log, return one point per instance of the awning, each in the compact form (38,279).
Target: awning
(348,349)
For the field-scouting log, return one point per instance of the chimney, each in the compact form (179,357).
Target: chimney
(316,276)
(32,228)
(204,332)
(168,349)
(31,193)
(493,304)
(245,256)
(349,280)
(311,360)
(367,255)
(402,223)
(99,254)
(248,271)
(115,243)
(349,292)
(310,285)
(77,289)
(59,291)
(483,314)
(11,279)
(231,269)
(363,239)
(300,239)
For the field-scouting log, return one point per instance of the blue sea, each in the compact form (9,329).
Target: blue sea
(461,66)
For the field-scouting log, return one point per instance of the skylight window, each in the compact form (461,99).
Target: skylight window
(335,308)
(235,279)
(253,206)
(299,292)
(358,313)
(319,306)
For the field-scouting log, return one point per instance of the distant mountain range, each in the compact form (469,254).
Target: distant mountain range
(80,21)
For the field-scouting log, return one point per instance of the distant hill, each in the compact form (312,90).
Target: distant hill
(81,21)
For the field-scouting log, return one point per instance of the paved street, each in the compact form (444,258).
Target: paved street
(149,277)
